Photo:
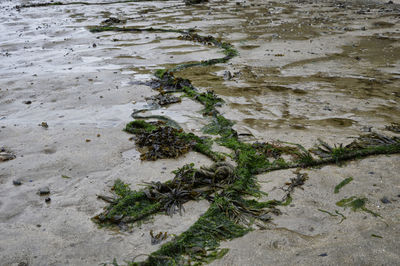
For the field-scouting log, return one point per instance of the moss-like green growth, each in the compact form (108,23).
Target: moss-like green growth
(139,126)
(342,184)
(356,204)
(160,73)
(220,126)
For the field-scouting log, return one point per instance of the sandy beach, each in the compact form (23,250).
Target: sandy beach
(306,70)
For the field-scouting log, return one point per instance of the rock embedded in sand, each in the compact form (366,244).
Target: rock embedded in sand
(17,182)
(6,156)
(385,200)
(44,191)
(44,125)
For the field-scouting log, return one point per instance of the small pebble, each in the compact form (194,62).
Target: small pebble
(17,182)
(44,191)
(385,200)
(87,140)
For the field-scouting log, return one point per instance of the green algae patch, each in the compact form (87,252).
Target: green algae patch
(342,184)
(139,126)
(356,204)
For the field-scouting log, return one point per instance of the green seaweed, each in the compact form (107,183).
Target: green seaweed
(131,206)
(206,234)
(356,204)
(342,184)
(220,126)
(343,217)
(160,73)
(327,212)
(334,215)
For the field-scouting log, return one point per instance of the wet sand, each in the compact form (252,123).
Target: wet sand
(306,70)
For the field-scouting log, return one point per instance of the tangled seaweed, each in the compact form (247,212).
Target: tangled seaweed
(163,142)
(230,214)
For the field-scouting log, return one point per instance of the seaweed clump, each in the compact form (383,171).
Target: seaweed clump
(162,142)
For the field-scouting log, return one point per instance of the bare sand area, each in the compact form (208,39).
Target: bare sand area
(306,70)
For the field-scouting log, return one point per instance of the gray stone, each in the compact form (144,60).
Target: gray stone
(44,191)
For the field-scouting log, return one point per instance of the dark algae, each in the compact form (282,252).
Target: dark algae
(231,189)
